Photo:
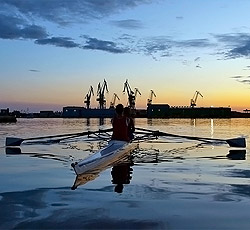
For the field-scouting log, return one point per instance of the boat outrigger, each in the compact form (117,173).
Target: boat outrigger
(116,149)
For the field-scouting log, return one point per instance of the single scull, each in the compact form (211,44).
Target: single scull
(110,154)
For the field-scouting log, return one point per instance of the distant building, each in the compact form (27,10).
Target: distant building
(165,111)
(44,114)
(81,112)
(158,111)
(6,117)
(5,112)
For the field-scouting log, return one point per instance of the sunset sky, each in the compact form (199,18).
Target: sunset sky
(52,51)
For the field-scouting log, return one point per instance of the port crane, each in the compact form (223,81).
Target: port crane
(151,97)
(88,97)
(194,99)
(112,103)
(137,91)
(131,95)
(100,94)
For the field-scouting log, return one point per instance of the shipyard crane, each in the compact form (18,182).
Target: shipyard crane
(112,103)
(88,97)
(152,94)
(100,94)
(137,91)
(194,99)
(131,95)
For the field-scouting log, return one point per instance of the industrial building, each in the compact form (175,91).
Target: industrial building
(165,111)
(80,112)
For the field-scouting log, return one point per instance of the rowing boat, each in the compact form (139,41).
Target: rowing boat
(110,154)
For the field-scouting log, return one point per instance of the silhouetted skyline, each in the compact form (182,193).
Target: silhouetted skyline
(53,51)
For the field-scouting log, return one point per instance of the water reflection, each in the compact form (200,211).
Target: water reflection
(85,178)
(241,189)
(150,121)
(101,121)
(193,122)
(88,121)
(237,154)
(51,156)
(121,174)
(212,128)
(85,122)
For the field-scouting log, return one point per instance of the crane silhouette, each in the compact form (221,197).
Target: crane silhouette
(88,97)
(112,103)
(151,97)
(194,99)
(100,94)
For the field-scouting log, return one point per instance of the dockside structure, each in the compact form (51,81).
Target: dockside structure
(81,112)
(153,111)
(166,111)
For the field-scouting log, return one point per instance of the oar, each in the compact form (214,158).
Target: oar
(15,141)
(235,142)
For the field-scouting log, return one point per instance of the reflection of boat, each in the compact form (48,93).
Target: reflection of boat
(104,157)
(84,178)
(12,151)
(237,154)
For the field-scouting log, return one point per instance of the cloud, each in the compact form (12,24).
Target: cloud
(236,44)
(242,79)
(65,11)
(195,43)
(247,67)
(154,45)
(34,70)
(12,27)
(21,20)
(245,81)
(179,17)
(237,77)
(18,18)
(90,44)
(96,44)
(128,24)
(197,59)
(58,41)
(166,46)
(240,51)
(232,38)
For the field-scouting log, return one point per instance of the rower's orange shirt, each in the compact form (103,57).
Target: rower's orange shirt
(120,128)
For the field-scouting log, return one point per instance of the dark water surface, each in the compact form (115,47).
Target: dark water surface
(170,183)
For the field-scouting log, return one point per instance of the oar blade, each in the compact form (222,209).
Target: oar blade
(13,141)
(237,142)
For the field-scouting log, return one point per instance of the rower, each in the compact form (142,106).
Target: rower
(131,125)
(120,125)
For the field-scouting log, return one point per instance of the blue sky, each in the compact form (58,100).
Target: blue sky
(52,51)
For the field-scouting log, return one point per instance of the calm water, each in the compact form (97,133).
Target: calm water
(170,183)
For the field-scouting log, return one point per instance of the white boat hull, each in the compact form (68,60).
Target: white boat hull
(104,157)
